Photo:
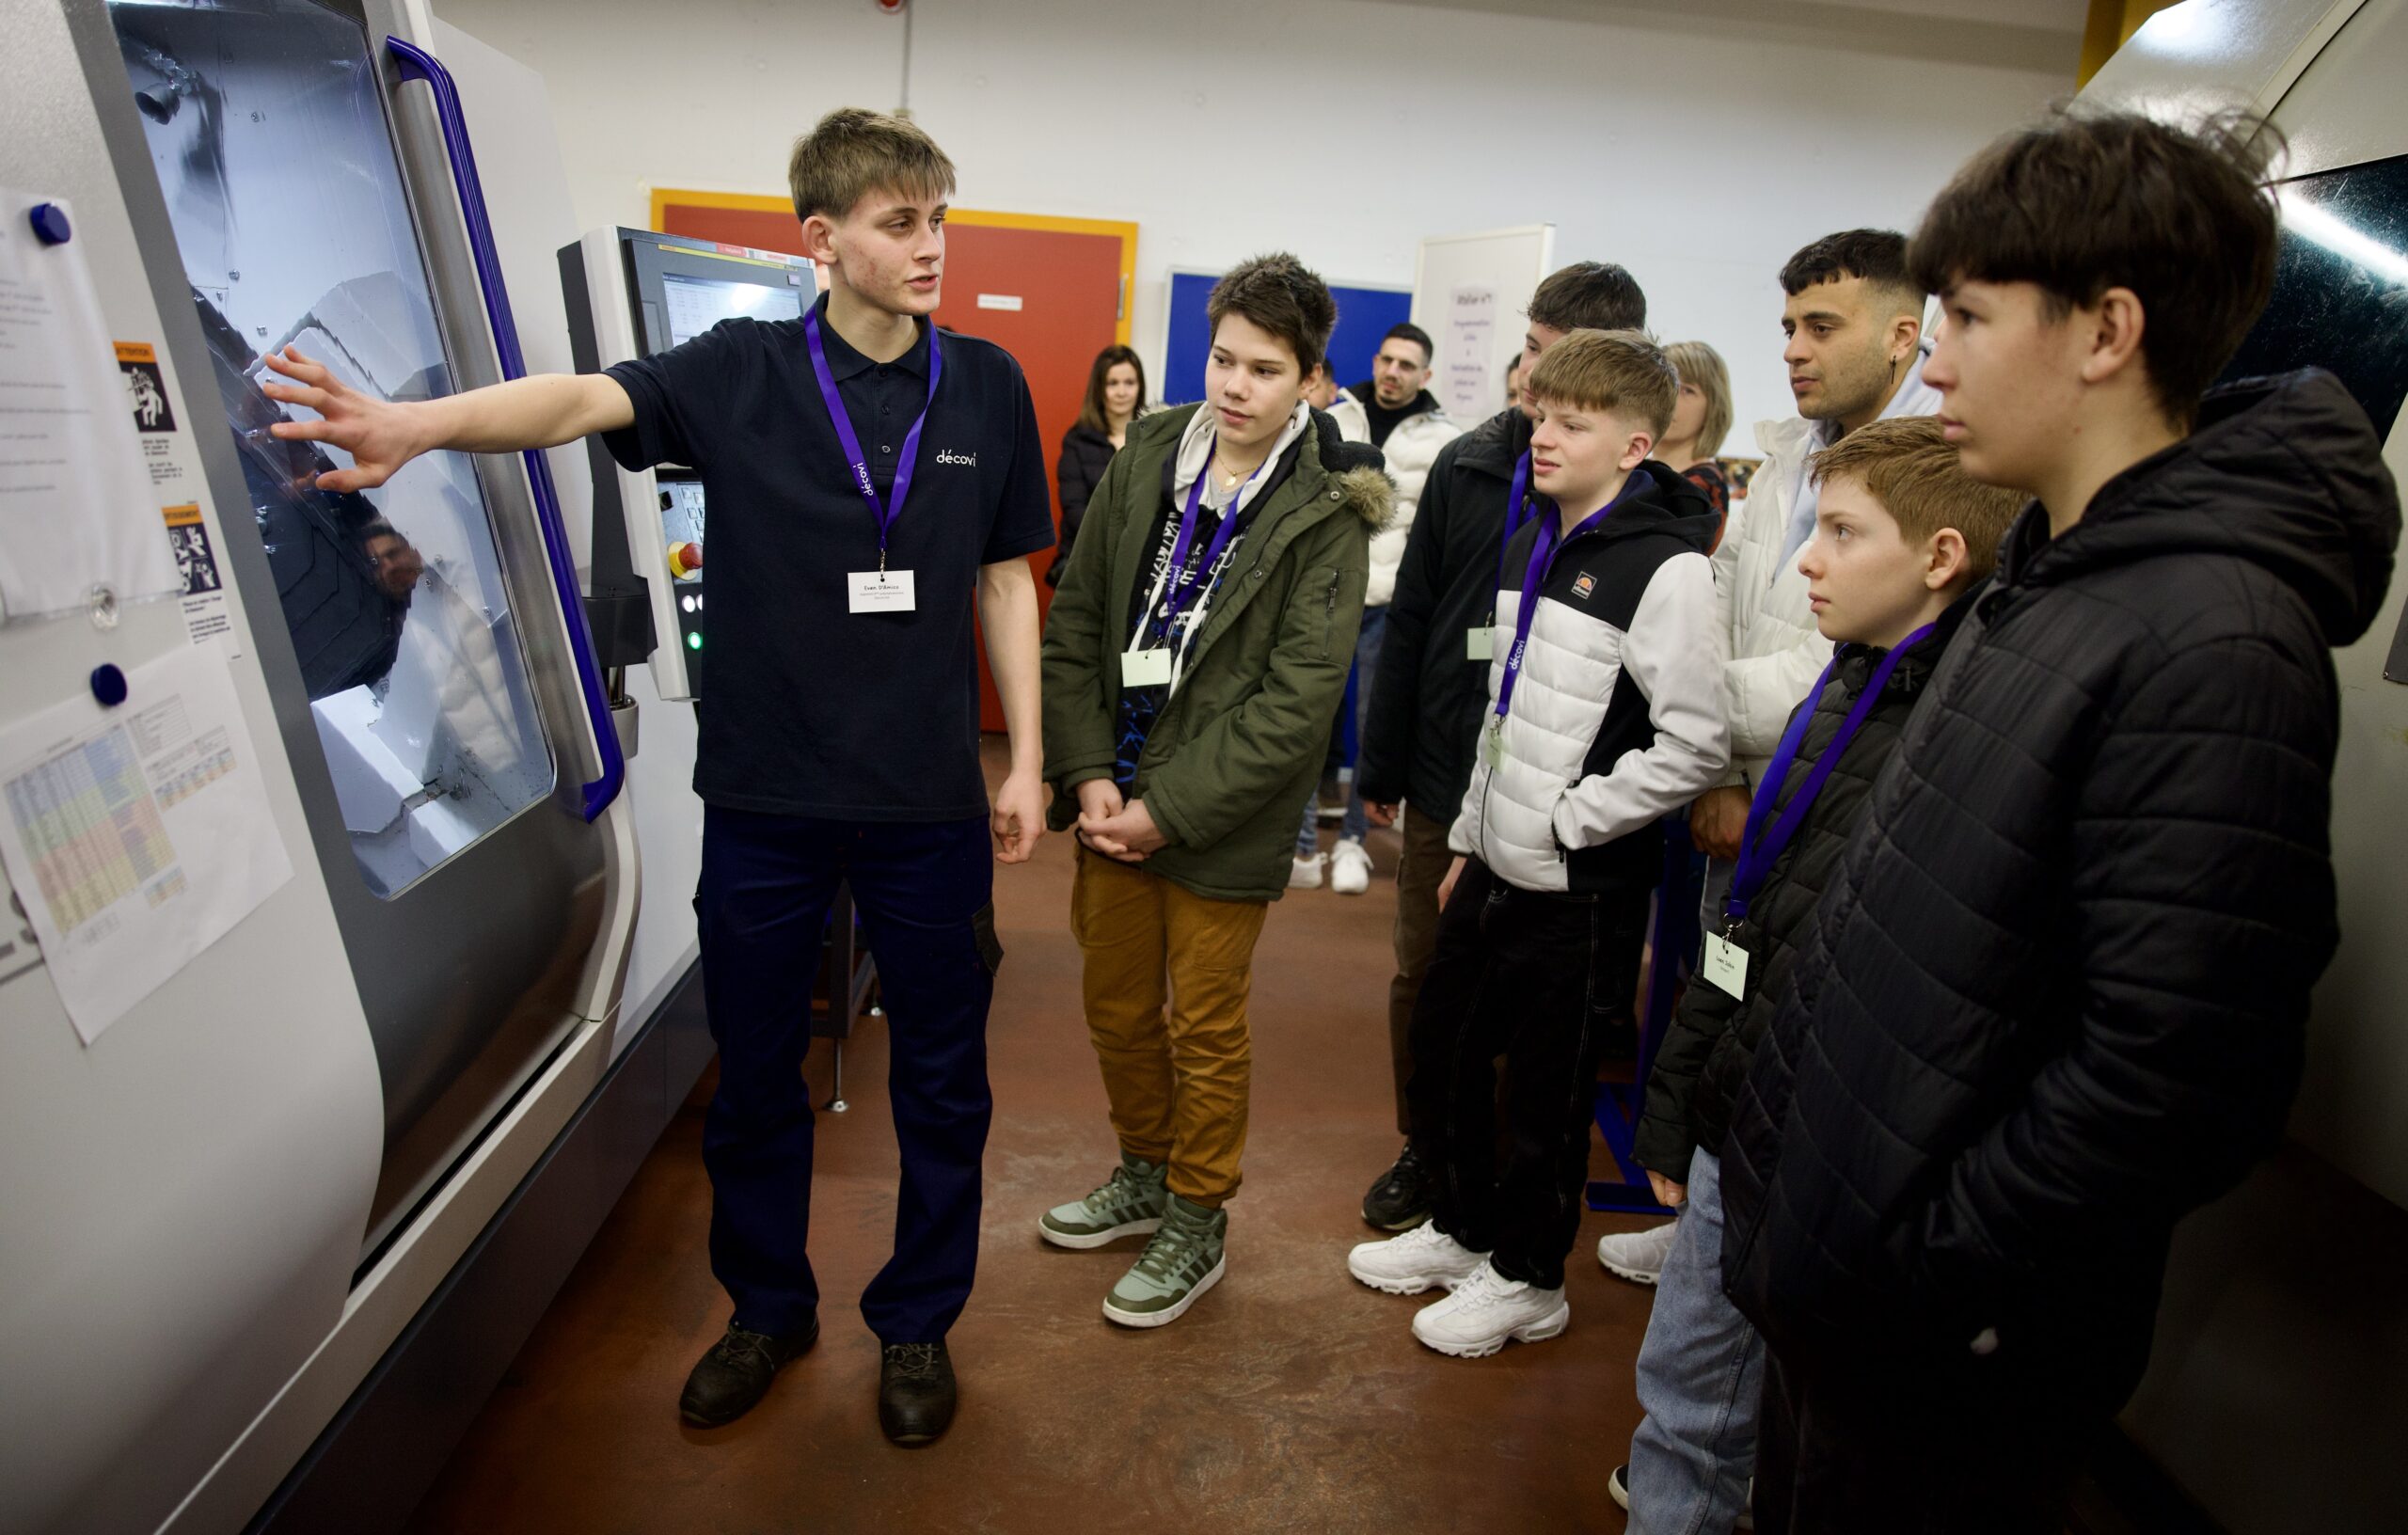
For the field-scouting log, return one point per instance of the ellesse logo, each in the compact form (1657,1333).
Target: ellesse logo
(946,456)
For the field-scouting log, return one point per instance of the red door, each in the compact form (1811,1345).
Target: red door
(1049,294)
(1051,298)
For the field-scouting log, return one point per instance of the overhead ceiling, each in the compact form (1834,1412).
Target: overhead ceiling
(2040,35)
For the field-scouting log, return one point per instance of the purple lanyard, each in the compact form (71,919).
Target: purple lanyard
(1543,549)
(1517,511)
(1757,852)
(852,443)
(1183,586)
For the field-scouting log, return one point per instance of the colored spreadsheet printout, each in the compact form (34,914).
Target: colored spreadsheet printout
(138,835)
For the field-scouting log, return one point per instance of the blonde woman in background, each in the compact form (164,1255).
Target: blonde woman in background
(1700,419)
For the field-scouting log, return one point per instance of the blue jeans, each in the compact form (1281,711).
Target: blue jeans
(1367,665)
(922,890)
(1700,1382)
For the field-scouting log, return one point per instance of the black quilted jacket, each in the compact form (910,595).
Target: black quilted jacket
(1428,696)
(1704,1056)
(2057,996)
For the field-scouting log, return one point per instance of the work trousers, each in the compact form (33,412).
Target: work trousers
(1419,874)
(1168,974)
(1539,979)
(922,891)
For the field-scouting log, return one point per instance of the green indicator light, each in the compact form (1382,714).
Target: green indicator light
(694,641)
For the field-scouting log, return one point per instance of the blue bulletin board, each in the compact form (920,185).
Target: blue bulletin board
(1364,315)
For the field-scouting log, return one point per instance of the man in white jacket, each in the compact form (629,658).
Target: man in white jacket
(1394,411)
(1856,349)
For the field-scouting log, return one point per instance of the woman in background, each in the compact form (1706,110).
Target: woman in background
(1115,396)
(1700,419)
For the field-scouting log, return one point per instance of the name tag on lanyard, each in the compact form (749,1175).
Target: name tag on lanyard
(880,591)
(1726,966)
(1176,585)
(1145,667)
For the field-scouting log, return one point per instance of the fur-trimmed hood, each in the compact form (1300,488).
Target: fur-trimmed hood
(1360,471)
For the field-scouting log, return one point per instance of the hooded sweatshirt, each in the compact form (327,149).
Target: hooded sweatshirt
(1775,650)
(2057,995)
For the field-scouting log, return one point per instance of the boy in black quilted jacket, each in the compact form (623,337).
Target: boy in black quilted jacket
(1901,535)
(2056,994)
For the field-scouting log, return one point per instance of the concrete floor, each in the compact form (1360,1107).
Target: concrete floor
(1292,1398)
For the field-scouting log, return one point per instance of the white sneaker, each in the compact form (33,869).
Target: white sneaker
(1488,1310)
(1637,1256)
(1411,1263)
(1350,868)
(1305,873)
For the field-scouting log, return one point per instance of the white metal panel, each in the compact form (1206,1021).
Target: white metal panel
(181,1205)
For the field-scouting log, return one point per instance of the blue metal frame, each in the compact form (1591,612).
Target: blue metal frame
(1672,940)
(416,63)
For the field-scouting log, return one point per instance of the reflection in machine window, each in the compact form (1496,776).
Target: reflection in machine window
(2340,300)
(268,132)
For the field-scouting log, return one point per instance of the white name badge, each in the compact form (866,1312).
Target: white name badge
(882,592)
(1479,644)
(1145,667)
(1726,965)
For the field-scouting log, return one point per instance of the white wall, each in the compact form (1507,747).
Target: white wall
(1698,152)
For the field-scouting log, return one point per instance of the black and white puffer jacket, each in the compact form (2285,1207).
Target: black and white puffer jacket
(1617,718)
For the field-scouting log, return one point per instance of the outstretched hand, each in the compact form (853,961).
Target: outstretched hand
(375,432)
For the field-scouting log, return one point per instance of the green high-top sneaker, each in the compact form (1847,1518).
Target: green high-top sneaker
(1129,1203)
(1186,1258)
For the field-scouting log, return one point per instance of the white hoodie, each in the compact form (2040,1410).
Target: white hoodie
(1776,652)
(1412,447)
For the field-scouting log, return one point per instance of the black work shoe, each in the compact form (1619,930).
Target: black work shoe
(737,1371)
(1400,1199)
(915,1391)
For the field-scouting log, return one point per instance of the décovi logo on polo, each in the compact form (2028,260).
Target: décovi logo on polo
(946,456)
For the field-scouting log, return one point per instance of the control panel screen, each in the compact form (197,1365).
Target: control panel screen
(681,538)
(693,305)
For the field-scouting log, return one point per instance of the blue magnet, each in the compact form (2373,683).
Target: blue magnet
(108,685)
(50,224)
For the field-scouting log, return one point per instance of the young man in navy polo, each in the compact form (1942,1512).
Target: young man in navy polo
(868,477)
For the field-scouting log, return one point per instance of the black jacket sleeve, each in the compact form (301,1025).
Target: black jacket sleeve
(1667,1131)
(1074,479)
(2190,1023)
(1384,755)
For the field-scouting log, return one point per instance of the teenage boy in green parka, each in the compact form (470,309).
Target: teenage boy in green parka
(1193,658)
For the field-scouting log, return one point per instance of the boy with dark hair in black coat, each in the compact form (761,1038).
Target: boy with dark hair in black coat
(1902,534)
(2057,995)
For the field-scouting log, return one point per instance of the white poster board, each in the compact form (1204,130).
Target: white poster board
(1470,292)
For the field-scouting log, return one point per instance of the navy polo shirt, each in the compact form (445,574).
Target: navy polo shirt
(812,709)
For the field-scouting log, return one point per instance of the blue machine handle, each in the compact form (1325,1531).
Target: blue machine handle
(418,64)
